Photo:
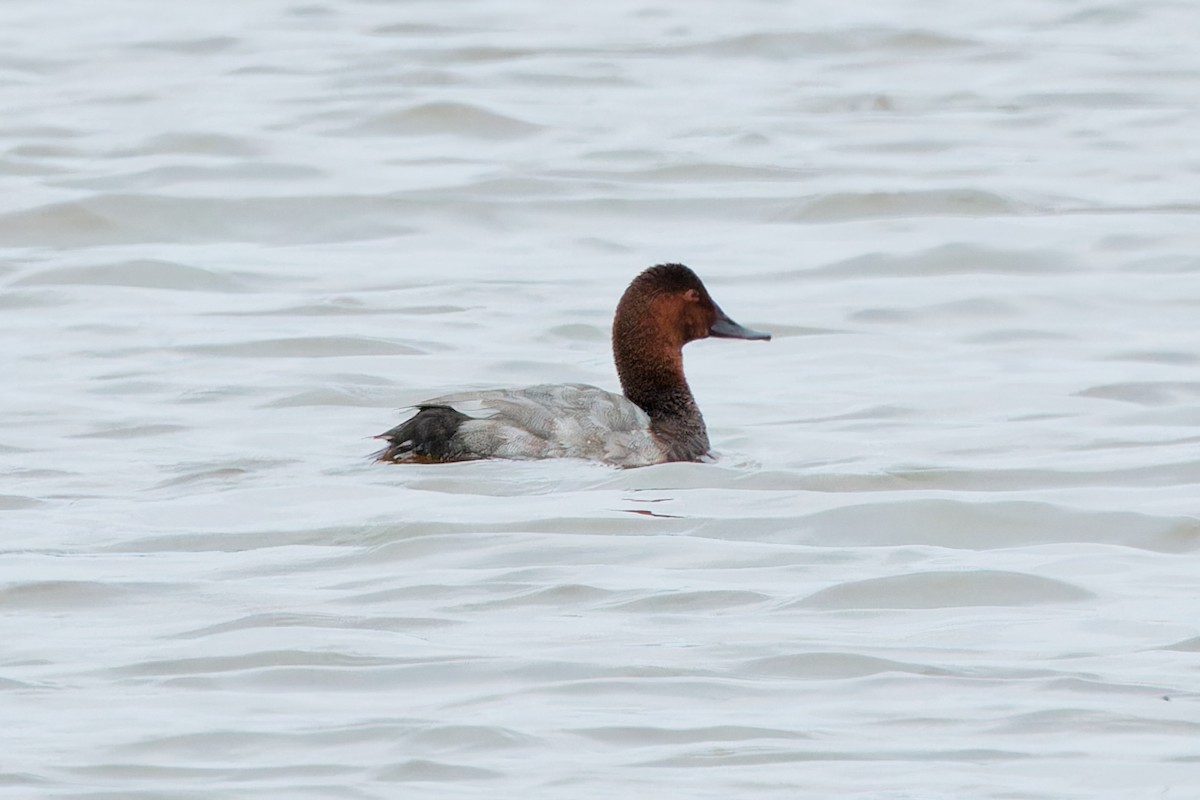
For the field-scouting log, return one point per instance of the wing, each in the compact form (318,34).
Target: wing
(570,420)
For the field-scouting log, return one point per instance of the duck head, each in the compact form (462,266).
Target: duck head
(670,303)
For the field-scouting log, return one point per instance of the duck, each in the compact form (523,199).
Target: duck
(655,420)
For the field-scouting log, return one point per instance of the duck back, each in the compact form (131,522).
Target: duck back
(547,421)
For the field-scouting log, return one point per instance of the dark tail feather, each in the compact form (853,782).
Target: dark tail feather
(427,436)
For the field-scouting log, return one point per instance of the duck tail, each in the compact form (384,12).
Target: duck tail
(427,436)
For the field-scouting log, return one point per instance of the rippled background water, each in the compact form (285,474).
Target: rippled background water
(950,549)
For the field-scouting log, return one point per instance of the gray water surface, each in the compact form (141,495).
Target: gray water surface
(948,549)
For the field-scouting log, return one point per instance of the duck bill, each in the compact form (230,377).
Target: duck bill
(725,328)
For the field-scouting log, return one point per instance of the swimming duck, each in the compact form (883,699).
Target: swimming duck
(656,420)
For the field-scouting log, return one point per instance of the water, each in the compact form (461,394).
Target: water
(949,548)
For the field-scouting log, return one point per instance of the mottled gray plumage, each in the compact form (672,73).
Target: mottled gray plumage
(565,420)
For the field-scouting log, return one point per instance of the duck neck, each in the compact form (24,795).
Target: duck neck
(657,388)
(652,378)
